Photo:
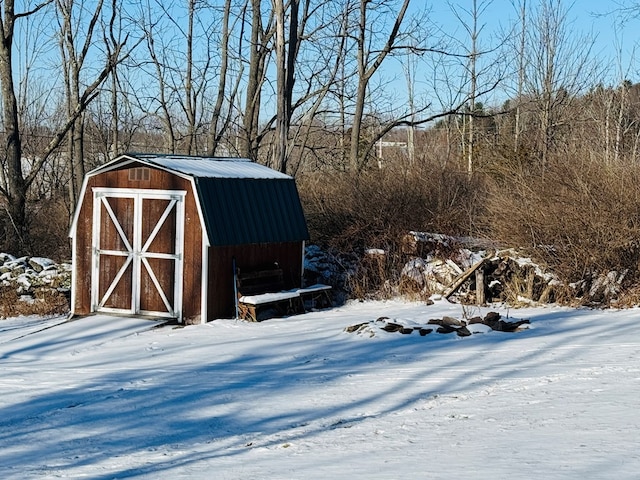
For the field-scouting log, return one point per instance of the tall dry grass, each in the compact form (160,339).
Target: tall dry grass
(581,218)
(374,209)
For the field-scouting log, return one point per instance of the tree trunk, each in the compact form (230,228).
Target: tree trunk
(73,61)
(76,159)
(190,100)
(286,53)
(521,75)
(282,130)
(257,53)
(214,133)
(15,228)
(472,91)
(365,71)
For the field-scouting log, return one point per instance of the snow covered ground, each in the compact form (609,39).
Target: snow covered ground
(299,398)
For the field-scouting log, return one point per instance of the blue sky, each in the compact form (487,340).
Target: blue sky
(614,41)
(600,18)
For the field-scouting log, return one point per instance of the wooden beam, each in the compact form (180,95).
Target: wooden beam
(461,279)
(479,286)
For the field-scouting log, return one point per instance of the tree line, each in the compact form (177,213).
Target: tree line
(309,87)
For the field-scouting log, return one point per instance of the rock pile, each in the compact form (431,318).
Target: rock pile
(444,325)
(33,285)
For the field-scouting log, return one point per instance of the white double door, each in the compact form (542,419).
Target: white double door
(138,244)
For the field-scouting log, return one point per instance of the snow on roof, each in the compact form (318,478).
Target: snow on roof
(211,167)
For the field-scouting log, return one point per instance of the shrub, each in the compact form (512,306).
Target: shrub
(582,219)
(376,208)
(45,301)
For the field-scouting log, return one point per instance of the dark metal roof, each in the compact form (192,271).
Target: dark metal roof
(251,210)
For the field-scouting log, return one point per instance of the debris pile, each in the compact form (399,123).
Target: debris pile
(26,274)
(329,267)
(472,272)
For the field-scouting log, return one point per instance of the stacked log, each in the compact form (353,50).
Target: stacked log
(477,277)
(518,280)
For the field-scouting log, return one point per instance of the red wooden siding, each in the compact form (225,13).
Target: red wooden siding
(221,294)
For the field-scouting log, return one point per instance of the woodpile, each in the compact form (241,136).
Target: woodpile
(461,269)
(424,244)
(444,325)
(509,277)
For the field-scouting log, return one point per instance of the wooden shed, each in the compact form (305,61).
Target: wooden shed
(160,235)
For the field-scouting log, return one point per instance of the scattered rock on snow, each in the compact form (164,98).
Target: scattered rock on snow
(463,332)
(356,327)
(391,327)
(446,325)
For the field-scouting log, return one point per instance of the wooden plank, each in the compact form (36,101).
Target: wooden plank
(260,274)
(249,307)
(461,279)
(454,265)
(265,298)
(260,281)
(479,287)
(318,287)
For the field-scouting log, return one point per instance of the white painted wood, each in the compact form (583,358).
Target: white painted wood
(304,244)
(204,301)
(318,287)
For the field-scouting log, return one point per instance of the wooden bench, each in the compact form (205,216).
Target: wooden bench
(261,295)
(261,290)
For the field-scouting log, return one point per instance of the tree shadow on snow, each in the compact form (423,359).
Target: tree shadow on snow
(154,417)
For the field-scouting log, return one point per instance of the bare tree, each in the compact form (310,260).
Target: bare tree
(16,186)
(162,72)
(218,125)
(75,46)
(410,72)
(18,181)
(259,52)
(368,64)
(113,118)
(286,53)
(190,103)
(484,70)
(180,40)
(521,72)
(618,118)
(473,30)
(324,29)
(558,68)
